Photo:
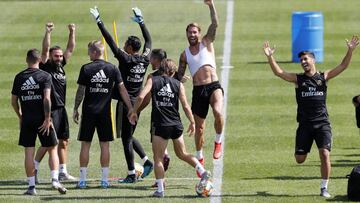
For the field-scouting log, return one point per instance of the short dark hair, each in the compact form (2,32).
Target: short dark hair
(159,54)
(134,42)
(302,53)
(56,47)
(33,56)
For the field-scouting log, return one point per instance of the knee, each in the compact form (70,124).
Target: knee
(180,154)
(300,158)
(324,154)
(217,114)
(200,129)
(63,144)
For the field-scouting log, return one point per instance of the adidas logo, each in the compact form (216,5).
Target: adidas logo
(100,77)
(30,84)
(166,91)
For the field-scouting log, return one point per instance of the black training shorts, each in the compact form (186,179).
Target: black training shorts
(201,98)
(167,132)
(61,123)
(307,132)
(29,130)
(103,123)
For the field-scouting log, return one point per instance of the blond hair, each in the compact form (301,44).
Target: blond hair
(96,46)
(168,66)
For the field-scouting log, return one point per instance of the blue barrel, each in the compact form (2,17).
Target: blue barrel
(307,34)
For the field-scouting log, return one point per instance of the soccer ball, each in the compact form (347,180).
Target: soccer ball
(139,170)
(204,189)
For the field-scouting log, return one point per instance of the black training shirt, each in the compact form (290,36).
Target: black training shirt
(99,77)
(29,86)
(58,87)
(132,67)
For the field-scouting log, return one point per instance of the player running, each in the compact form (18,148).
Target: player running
(312,115)
(165,121)
(132,65)
(53,61)
(95,85)
(32,88)
(200,57)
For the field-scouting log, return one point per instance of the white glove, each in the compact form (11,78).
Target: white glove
(95,13)
(137,15)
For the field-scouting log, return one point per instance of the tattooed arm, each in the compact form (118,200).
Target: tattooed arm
(78,99)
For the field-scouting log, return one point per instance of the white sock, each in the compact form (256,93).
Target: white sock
(199,155)
(31,180)
(324,183)
(218,138)
(160,185)
(54,174)
(36,164)
(199,168)
(145,159)
(83,173)
(131,172)
(105,173)
(62,168)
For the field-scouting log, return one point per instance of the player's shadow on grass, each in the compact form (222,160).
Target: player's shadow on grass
(265,62)
(125,197)
(12,182)
(290,178)
(339,198)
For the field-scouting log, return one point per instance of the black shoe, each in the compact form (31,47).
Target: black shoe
(30,191)
(129,179)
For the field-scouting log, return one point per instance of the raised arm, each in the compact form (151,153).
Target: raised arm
(187,109)
(78,99)
(346,60)
(139,100)
(71,42)
(109,40)
(211,32)
(138,18)
(277,70)
(182,67)
(46,42)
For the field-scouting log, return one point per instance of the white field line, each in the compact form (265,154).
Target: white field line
(226,66)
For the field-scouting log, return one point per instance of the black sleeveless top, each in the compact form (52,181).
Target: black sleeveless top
(311,98)
(165,101)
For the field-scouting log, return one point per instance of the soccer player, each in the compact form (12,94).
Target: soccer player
(132,65)
(165,120)
(95,85)
(31,88)
(312,115)
(53,61)
(200,57)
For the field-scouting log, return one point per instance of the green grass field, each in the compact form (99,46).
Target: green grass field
(258,162)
